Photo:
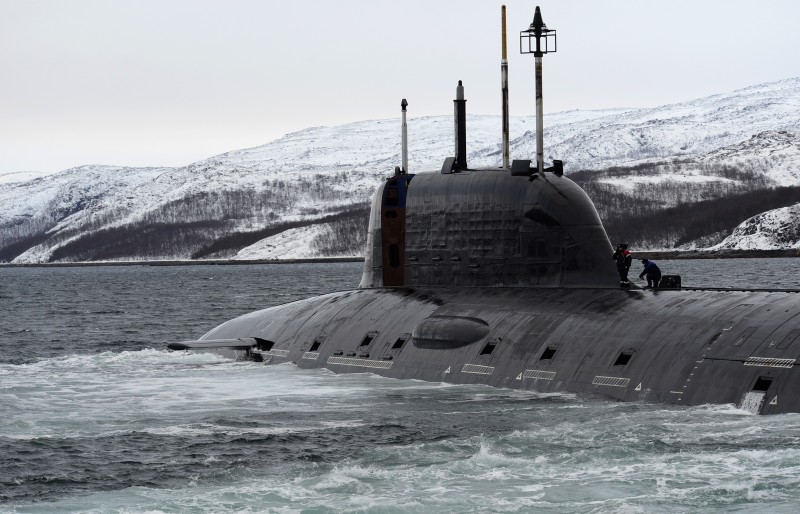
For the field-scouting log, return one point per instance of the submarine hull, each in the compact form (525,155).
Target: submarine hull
(685,347)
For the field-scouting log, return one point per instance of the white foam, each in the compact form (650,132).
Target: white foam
(531,454)
(752,401)
(198,429)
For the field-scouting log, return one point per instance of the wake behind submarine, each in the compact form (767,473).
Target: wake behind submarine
(503,277)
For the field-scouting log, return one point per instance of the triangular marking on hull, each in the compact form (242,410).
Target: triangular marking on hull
(519,377)
(639,387)
(774,400)
(447,370)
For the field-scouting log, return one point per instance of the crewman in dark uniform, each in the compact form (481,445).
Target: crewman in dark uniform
(651,272)
(623,259)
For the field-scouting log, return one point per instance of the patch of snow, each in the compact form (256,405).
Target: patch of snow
(294,243)
(630,182)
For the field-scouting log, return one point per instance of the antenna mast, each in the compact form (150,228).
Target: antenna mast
(539,40)
(404,137)
(504,86)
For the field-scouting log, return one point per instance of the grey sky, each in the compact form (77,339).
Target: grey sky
(171,81)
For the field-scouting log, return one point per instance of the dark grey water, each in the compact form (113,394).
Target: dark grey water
(49,312)
(96,417)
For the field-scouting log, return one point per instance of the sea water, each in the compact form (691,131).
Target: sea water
(96,416)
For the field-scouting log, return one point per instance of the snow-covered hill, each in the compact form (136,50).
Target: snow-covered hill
(691,128)
(321,172)
(777,229)
(767,159)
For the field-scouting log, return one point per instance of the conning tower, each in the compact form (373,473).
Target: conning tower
(485,227)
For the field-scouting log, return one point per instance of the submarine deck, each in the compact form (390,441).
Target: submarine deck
(683,346)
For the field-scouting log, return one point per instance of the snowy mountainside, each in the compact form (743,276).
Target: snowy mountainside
(775,152)
(693,202)
(71,190)
(42,204)
(772,157)
(582,139)
(326,175)
(690,128)
(776,229)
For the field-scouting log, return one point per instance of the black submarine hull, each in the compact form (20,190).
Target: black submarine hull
(684,347)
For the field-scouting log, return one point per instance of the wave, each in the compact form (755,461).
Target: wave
(125,358)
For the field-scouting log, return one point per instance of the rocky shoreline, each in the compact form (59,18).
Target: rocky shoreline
(716,254)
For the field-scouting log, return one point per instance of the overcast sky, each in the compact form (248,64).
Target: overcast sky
(167,82)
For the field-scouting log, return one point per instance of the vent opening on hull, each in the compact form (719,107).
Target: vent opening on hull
(762,384)
(399,343)
(367,339)
(623,359)
(548,353)
(315,346)
(263,344)
(489,348)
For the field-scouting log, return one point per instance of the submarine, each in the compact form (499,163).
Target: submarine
(504,277)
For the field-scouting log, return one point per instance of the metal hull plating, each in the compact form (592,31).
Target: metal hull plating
(685,347)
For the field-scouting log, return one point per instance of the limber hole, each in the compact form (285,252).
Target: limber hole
(263,344)
(623,359)
(547,354)
(315,346)
(399,343)
(489,348)
(366,341)
(762,384)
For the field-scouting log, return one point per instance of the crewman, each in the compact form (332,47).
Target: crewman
(651,272)
(623,259)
